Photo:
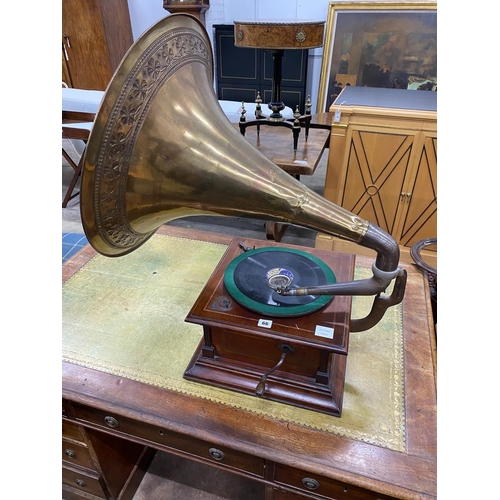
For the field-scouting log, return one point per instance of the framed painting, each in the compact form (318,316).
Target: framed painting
(378,44)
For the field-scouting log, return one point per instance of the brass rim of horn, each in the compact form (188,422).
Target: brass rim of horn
(161,148)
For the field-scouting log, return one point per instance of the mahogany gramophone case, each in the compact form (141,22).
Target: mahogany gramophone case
(241,348)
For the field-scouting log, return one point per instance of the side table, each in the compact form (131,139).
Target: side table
(276,36)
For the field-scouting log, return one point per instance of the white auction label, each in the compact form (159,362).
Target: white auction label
(324,331)
(266,323)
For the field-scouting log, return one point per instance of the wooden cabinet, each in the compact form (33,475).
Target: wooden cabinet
(382,166)
(97,465)
(95,36)
(242,72)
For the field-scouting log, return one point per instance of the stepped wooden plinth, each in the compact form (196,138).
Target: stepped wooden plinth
(240,346)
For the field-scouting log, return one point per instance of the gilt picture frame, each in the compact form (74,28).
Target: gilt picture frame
(378,44)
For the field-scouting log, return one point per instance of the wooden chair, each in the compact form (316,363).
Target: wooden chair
(79,108)
(76,125)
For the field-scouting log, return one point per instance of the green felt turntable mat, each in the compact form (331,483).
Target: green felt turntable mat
(247,275)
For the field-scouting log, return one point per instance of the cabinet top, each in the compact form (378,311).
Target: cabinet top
(387,98)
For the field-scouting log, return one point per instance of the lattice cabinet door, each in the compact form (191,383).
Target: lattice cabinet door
(377,171)
(419,198)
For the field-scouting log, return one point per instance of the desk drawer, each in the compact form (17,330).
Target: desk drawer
(321,486)
(82,481)
(77,454)
(172,441)
(72,431)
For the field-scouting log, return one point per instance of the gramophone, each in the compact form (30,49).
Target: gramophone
(276,319)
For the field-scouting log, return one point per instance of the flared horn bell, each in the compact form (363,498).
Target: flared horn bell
(161,148)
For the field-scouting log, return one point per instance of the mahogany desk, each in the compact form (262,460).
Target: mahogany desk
(121,414)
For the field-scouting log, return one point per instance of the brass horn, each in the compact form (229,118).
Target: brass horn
(161,148)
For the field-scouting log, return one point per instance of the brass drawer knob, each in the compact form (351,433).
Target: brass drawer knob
(310,484)
(111,422)
(70,453)
(81,482)
(216,454)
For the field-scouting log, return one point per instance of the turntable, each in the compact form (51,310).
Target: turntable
(290,349)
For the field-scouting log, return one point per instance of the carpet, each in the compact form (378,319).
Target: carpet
(125,316)
(71,243)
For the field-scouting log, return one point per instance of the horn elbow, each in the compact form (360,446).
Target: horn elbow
(384,244)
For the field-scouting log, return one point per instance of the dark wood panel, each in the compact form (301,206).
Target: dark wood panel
(77,454)
(100,464)
(167,440)
(83,481)
(232,92)
(119,461)
(294,69)
(314,483)
(234,63)
(242,72)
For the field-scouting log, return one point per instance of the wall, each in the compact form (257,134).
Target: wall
(144,13)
